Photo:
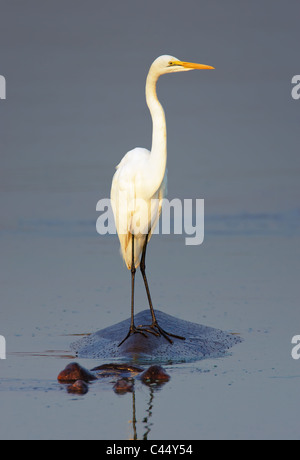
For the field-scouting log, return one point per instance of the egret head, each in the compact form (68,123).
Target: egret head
(168,64)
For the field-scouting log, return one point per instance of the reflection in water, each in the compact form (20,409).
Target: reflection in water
(125,377)
(134,416)
(146,420)
(147,424)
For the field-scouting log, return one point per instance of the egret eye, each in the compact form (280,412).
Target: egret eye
(170,63)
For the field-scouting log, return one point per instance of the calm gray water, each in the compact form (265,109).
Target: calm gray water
(75,104)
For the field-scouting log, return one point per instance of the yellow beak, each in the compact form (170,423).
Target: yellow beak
(192,65)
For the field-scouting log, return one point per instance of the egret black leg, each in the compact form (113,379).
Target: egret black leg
(154,326)
(143,271)
(133,271)
(132,329)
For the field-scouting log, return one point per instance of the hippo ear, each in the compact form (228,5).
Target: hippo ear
(79,387)
(73,372)
(123,385)
(154,374)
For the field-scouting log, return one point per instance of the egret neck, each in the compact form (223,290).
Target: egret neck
(158,156)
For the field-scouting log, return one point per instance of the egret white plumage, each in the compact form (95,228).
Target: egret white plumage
(138,187)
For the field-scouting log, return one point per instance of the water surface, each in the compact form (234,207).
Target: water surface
(75,104)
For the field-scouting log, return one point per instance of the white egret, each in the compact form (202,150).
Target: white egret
(138,187)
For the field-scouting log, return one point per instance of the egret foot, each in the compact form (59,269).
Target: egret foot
(138,330)
(155,329)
